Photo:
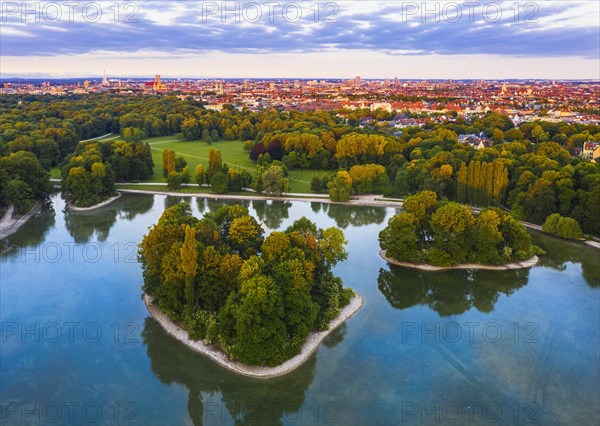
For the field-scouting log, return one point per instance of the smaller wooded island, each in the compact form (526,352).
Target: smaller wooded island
(256,299)
(447,234)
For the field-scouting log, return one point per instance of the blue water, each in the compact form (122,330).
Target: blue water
(457,347)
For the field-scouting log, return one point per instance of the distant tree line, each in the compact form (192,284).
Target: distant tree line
(528,169)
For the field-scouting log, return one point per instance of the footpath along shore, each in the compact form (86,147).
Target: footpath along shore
(9,224)
(260,372)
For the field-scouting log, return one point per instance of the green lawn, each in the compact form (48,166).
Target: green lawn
(232,153)
(196,152)
(55,173)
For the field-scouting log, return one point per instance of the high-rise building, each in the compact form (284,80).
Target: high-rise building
(105,82)
(357,80)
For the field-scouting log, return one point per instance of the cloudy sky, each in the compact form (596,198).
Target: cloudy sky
(374,39)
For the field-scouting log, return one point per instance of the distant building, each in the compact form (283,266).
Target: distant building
(157,85)
(357,80)
(590,150)
(479,141)
(386,106)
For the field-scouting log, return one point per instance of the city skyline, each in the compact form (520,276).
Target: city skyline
(375,39)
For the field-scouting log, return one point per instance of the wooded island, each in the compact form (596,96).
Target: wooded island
(255,298)
(443,233)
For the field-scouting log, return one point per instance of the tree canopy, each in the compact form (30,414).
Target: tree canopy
(446,233)
(256,298)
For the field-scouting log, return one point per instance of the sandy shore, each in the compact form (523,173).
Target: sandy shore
(95,206)
(10,225)
(310,346)
(517,265)
(594,244)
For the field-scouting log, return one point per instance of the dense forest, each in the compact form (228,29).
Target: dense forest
(529,169)
(256,298)
(446,233)
(90,173)
(22,180)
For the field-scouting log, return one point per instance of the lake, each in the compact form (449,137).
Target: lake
(450,347)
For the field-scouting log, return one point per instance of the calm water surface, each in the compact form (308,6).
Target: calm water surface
(459,347)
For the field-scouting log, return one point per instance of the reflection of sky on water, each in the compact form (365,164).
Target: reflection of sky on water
(376,367)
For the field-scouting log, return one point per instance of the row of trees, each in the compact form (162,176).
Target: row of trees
(446,233)
(481,183)
(256,298)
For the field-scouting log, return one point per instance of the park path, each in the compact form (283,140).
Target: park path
(9,225)
(100,137)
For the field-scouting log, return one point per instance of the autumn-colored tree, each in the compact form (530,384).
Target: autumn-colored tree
(461,184)
(245,236)
(168,162)
(199,174)
(215,163)
(451,226)
(368,178)
(189,265)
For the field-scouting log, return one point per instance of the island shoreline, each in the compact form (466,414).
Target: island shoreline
(94,206)
(311,344)
(426,267)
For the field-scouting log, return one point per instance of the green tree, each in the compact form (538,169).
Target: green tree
(186,175)
(260,337)
(17,193)
(274,180)
(219,183)
(174,180)
(340,187)
(486,238)
(451,225)
(399,238)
